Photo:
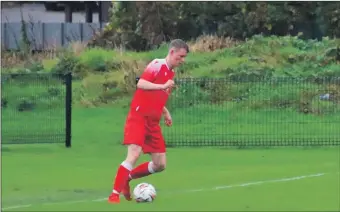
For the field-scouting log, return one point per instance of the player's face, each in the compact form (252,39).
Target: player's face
(177,56)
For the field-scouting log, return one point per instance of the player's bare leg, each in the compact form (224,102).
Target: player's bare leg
(132,159)
(159,161)
(157,164)
(121,184)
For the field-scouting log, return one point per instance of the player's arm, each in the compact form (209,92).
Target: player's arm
(165,110)
(167,117)
(149,76)
(146,85)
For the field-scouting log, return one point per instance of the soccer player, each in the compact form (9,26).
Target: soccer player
(142,132)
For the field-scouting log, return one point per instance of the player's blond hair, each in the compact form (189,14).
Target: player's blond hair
(179,44)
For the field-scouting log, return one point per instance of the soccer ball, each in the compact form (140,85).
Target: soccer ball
(144,192)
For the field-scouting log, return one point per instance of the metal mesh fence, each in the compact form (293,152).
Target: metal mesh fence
(255,112)
(33,108)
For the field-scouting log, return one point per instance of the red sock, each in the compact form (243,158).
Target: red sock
(142,170)
(122,176)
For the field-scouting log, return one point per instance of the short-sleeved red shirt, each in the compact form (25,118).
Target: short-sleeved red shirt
(151,102)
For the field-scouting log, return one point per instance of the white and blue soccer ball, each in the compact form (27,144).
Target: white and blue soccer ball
(144,192)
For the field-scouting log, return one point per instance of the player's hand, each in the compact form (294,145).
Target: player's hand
(168,119)
(168,84)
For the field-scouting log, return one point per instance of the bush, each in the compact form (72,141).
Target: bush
(26,104)
(53,92)
(110,95)
(100,60)
(35,67)
(187,94)
(4,102)
(97,64)
(97,89)
(67,63)
(210,43)
(224,90)
(321,107)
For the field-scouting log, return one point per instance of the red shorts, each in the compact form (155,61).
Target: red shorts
(145,132)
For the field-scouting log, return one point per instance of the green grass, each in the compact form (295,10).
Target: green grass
(51,177)
(18,127)
(35,106)
(218,124)
(193,125)
(259,57)
(89,177)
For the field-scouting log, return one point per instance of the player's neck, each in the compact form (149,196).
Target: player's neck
(167,63)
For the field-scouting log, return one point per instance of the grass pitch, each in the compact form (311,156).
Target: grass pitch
(49,177)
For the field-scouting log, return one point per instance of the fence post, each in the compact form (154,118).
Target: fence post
(68,108)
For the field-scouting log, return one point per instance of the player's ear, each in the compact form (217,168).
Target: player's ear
(172,50)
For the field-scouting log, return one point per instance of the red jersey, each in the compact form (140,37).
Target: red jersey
(151,102)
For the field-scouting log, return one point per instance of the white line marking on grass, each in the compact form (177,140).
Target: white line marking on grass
(185,191)
(17,206)
(270,181)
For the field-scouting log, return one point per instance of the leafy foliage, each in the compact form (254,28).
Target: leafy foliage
(145,25)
